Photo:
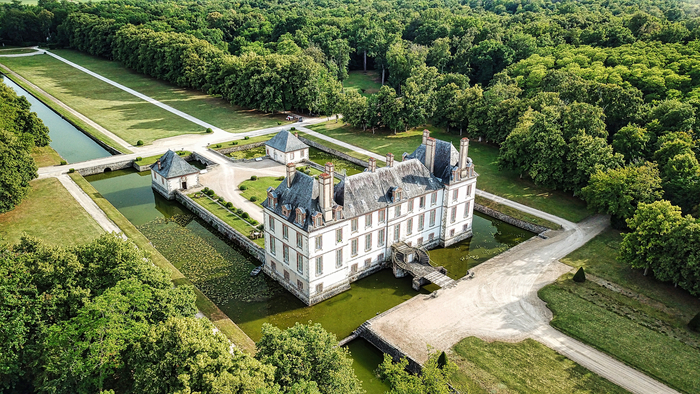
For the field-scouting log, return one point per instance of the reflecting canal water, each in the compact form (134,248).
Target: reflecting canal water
(68,141)
(222,271)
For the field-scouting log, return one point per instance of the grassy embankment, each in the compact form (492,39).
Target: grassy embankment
(65,114)
(215,111)
(258,188)
(49,212)
(145,161)
(514,213)
(227,216)
(365,83)
(15,51)
(645,328)
(523,367)
(241,142)
(45,156)
(503,183)
(331,145)
(206,306)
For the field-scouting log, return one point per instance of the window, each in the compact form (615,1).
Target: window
(380,258)
(273,265)
(300,264)
(455,195)
(421,222)
(368,262)
(382,215)
(397,211)
(285,253)
(380,238)
(319,266)
(338,258)
(397,232)
(368,220)
(432,218)
(300,285)
(338,214)
(319,288)
(339,235)
(421,202)
(409,226)
(465,228)
(433,198)
(353,225)
(431,236)
(368,242)
(272,223)
(286,275)
(353,268)
(469,191)
(318,220)
(420,241)
(410,205)
(319,242)
(300,241)
(353,247)
(273,246)
(285,231)
(452,233)
(292,155)
(466,209)
(453,215)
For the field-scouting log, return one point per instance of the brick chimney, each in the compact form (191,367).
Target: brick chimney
(463,156)
(389,159)
(426,134)
(291,172)
(326,197)
(430,153)
(159,166)
(330,169)
(372,164)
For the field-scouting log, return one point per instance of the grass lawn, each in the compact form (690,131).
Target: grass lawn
(514,213)
(49,212)
(213,110)
(258,188)
(503,183)
(17,51)
(524,367)
(45,156)
(626,329)
(371,82)
(339,148)
(248,153)
(204,304)
(231,219)
(242,142)
(145,161)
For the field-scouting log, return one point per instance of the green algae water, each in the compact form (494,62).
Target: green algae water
(221,270)
(320,157)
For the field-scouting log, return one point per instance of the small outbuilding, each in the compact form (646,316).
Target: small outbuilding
(285,148)
(171,172)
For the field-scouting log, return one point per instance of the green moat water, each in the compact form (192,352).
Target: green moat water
(221,270)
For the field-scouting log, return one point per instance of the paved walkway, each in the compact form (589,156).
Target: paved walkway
(89,205)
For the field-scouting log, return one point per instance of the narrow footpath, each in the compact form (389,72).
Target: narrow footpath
(89,205)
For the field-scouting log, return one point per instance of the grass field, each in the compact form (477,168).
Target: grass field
(17,51)
(229,218)
(45,156)
(242,142)
(635,333)
(364,83)
(258,188)
(204,304)
(210,109)
(248,153)
(523,367)
(49,212)
(514,213)
(503,183)
(331,145)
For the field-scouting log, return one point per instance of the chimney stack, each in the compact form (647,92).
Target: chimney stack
(389,159)
(159,167)
(430,154)
(426,134)
(291,172)
(296,134)
(330,169)
(326,197)
(463,156)
(372,164)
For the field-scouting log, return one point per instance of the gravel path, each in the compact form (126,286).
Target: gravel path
(89,205)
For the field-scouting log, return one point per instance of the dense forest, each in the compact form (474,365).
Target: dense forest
(596,98)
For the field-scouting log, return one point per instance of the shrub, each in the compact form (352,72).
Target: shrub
(243,187)
(261,227)
(253,199)
(63,162)
(253,222)
(694,324)
(139,158)
(234,143)
(218,145)
(254,178)
(181,152)
(293,129)
(280,178)
(580,276)
(279,123)
(239,211)
(245,215)
(206,190)
(246,138)
(229,205)
(442,360)
(209,130)
(139,143)
(72,170)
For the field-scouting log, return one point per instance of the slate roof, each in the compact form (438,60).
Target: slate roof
(172,166)
(368,191)
(286,142)
(303,194)
(446,157)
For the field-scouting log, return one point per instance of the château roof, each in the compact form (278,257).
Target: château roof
(446,157)
(172,166)
(303,193)
(286,142)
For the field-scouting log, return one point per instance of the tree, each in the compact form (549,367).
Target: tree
(17,168)
(433,379)
(307,353)
(618,191)
(353,107)
(631,141)
(580,275)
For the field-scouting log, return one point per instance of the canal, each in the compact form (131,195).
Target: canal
(69,142)
(221,270)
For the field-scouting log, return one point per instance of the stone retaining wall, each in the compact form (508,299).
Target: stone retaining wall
(98,169)
(334,152)
(221,226)
(533,228)
(238,148)
(365,332)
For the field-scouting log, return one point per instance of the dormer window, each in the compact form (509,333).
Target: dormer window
(286,209)
(318,219)
(272,198)
(396,194)
(338,212)
(301,216)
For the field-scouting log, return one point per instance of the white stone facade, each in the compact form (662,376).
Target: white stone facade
(287,157)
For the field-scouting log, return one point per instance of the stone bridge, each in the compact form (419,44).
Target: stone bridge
(407,260)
